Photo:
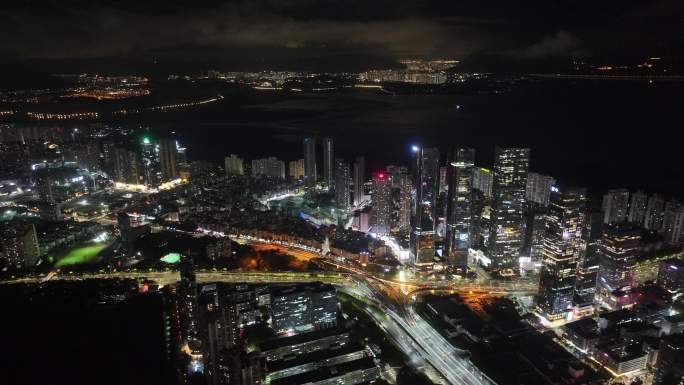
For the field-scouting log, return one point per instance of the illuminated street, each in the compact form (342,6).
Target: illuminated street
(414,336)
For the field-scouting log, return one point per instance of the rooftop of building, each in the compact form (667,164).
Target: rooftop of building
(550,359)
(316,356)
(639,328)
(314,287)
(326,372)
(653,293)
(302,338)
(618,316)
(586,328)
(675,319)
(619,353)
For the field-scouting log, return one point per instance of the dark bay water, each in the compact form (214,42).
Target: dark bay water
(596,134)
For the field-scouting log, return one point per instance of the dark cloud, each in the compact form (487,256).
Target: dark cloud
(107,31)
(439,28)
(562,44)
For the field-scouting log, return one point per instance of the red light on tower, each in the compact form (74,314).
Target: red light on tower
(381,175)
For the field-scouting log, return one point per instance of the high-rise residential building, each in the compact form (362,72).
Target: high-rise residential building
(181,155)
(19,245)
(479,220)
(588,266)
(149,162)
(127,166)
(669,367)
(615,206)
(459,201)
(617,254)
(328,162)
(220,317)
(359,180)
(483,180)
(310,174)
(673,223)
(300,309)
(397,174)
(108,153)
(341,184)
(671,275)
(534,217)
(234,165)
(400,181)
(44,187)
(382,203)
(637,208)
(86,155)
(269,167)
(168,159)
(131,229)
(126,231)
(50,211)
(443,176)
(561,248)
(297,169)
(362,220)
(655,211)
(510,179)
(538,188)
(190,313)
(423,206)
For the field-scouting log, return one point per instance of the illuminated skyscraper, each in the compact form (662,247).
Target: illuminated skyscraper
(671,275)
(655,211)
(669,365)
(341,184)
(459,200)
(44,187)
(443,179)
(538,188)
(149,162)
(510,179)
(359,179)
(587,268)
(382,203)
(234,165)
(126,231)
(310,174)
(561,248)
(637,208)
(269,167)
(127,166)
(483,179)
(401,197)
(615,206)
(297,169)
(534,217)
(673,223)
(328,162)
(423,205)
(617,254)
(167,159)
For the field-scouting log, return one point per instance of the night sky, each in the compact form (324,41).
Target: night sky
(334,34)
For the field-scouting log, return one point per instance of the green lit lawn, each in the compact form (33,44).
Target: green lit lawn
(171,258)
(79,255)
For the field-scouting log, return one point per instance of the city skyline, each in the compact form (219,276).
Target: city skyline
(345,192)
